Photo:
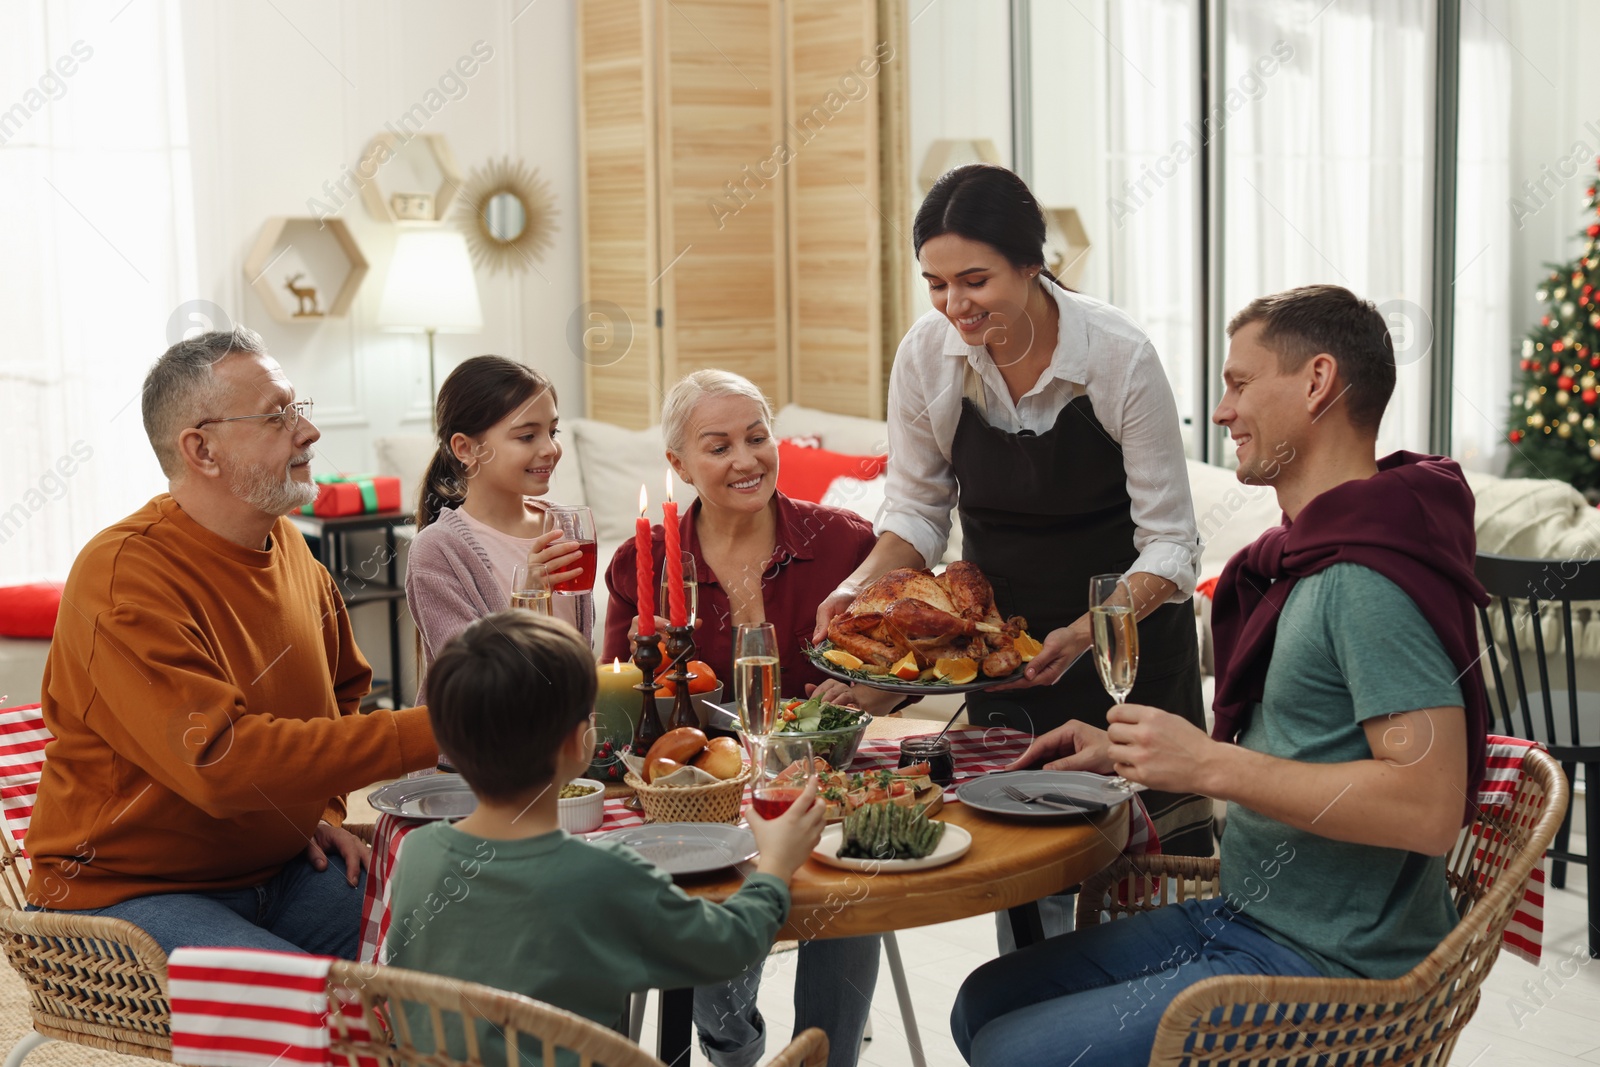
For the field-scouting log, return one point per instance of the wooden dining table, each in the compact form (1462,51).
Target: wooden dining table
(1011,865)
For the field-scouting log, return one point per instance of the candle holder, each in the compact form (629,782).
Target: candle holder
(647,657)
(680,649)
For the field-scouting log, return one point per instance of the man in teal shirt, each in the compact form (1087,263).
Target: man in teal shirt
(1349,715)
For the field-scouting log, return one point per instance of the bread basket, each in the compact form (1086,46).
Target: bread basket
(719,802)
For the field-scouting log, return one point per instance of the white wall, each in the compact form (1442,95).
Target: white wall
(960,76)
(285,96)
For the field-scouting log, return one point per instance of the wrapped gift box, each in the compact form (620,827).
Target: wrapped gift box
(353,494)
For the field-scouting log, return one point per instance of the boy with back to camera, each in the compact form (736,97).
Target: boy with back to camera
(506,898)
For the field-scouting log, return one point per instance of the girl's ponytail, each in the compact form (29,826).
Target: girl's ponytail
(441,488)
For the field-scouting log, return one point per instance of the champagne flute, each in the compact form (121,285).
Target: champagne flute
(530,588)
(691,591)
(755,673)
(781,768)
(1116,637)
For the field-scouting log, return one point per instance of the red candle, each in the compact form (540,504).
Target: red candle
(678,613)
(643,569)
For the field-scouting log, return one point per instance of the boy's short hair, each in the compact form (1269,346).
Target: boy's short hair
(504,694)
(1299,323)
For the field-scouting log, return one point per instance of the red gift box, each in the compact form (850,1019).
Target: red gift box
(343,494)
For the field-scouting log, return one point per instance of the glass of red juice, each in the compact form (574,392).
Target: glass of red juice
(781,767)
(576,524)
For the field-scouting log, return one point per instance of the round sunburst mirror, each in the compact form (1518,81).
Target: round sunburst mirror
(508,214)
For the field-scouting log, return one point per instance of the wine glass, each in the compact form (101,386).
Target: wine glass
(755,674)
(1116,638)
(530,588)
(781,768)
(691,591)
(576,523)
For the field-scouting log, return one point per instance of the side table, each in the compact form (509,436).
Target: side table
(373,579)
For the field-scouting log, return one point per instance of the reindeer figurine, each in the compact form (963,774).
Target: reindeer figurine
(306,295)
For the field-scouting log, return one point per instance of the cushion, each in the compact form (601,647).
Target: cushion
(849,434)
(1229,514)
(807,473)
(613,463)
(29,610)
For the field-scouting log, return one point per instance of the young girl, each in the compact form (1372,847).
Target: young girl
(475,519)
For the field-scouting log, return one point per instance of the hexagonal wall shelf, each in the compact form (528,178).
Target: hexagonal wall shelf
(387,160)
(296,262)
(1066,245)
(946,153)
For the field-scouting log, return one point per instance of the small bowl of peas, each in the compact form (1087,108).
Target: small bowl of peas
(581,807)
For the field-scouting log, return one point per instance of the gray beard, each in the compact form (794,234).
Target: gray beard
(274,492)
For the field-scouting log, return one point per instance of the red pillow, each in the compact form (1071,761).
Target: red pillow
(806,473)
(29,610)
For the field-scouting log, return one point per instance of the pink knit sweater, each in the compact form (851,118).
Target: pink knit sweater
(449,584)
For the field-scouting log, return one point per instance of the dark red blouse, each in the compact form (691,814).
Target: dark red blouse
(817,549)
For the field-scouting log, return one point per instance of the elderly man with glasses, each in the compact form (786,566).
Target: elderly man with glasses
(203,687)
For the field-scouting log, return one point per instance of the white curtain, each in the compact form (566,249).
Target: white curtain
(97,255)
(1327,177)
(1484,233)
(1152,172)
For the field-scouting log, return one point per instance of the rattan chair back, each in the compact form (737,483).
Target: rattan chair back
(91,980)
(413,1019)
(1414,1019)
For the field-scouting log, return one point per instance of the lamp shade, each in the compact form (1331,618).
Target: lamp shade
(430,285)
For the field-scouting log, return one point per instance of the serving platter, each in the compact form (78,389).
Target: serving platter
(888,683)
(952,846)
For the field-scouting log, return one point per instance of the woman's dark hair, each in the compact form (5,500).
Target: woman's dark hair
(983,202)
(504,694)
(476,395)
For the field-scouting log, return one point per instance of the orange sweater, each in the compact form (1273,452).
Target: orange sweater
(203,698)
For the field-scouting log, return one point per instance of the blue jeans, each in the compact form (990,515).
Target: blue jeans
(833,984)
(1093,998)
(300,909)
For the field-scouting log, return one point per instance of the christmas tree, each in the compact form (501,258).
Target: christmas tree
(1555,410)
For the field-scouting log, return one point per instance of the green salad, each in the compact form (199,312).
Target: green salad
(816,716)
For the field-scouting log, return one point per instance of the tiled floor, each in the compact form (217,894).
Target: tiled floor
(1517,1022)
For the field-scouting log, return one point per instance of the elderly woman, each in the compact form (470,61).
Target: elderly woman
(759,557)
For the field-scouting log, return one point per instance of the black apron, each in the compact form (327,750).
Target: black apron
(1040,514)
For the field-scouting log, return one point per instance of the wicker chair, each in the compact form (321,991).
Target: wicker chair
(1413,1019)
(91,980)
(455,1007)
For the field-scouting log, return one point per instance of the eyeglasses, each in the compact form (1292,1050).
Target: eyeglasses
(288,418)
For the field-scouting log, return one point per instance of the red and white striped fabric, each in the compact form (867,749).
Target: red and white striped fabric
(235,1007)
(976,752)
(22,741)
(1502,772)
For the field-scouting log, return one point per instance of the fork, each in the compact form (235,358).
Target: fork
(1063,803)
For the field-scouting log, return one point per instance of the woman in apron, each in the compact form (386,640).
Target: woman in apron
(1045,419)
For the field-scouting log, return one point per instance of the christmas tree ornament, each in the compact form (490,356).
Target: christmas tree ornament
(1563,431)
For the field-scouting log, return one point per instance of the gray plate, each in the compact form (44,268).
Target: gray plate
(890,684)
(687,847)
(438,796)
(1096,792)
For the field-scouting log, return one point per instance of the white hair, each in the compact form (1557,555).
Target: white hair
(703,385)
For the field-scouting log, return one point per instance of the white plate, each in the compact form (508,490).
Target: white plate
(687,847)
(436,796)
(952,846)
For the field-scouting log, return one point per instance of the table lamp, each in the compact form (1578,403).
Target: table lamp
(430,289)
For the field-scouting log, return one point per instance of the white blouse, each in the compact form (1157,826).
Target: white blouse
(1099,351)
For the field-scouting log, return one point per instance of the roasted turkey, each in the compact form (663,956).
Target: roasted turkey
(931,616)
